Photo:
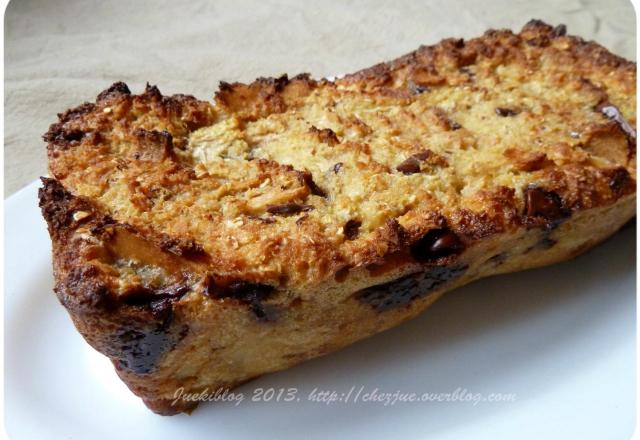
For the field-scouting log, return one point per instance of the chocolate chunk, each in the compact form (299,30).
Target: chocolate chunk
(159,301)
(307,179)
(251,294)
(144,295)
(411,165)
(140,349)
(337,167)
(350,229)
(288,208)
(406,289)
(505,112)
(436,243)
(544,205)
(455,126)
(242,290)
(612,112)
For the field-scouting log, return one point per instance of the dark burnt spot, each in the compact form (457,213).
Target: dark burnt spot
(288,208)
(544,208)
(54,203)
(278,84)
(225,87)
(536,23)
(559,31)
(351,229)
(103,228)
(506,112)
(251,294)
(325,135)
(455,126)
(411,165)
(77,112)
(306,178)
(436,243)
(83,289)
(152,92)
(619,180)
(115,90)
(73,135)
(63,137)
(406,289)
(337,167)
(181,246)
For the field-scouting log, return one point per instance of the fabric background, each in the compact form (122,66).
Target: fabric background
(60,53)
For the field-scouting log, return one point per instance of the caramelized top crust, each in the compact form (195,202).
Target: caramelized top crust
(284,182)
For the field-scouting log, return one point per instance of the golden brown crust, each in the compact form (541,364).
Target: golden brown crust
(163,210)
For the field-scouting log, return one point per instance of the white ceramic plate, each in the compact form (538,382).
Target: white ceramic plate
(562,339)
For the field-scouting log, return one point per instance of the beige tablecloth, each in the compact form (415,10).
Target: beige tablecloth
(61,53)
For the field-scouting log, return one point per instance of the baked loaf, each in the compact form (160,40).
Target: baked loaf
(200,245)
